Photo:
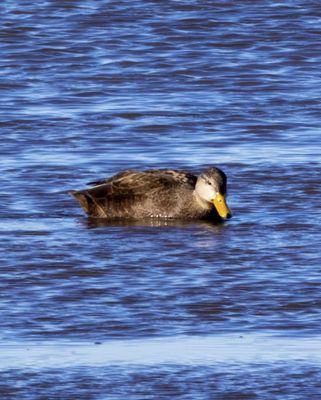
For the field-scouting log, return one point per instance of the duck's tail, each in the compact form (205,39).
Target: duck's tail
(90,203)
(83,199)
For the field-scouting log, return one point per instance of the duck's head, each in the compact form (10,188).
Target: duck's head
(211,187)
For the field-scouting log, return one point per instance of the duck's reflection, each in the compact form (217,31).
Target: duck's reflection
(214,226)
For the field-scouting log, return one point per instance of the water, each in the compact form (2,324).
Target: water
(160,309)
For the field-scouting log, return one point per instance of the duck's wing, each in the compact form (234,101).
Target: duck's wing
(115,178)
(130,178)
(178,177)
(121,193)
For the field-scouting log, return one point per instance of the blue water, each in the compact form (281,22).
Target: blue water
(89,88)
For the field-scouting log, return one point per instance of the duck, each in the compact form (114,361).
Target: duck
(157,193)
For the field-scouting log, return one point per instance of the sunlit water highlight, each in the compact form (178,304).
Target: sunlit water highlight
(188,350)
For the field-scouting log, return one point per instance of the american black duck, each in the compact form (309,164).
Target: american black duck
(158,193)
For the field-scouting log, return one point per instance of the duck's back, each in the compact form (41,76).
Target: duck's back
(134,195)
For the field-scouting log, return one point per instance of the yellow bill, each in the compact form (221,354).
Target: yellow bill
(221,206)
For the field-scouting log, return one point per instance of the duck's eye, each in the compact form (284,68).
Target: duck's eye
(209,183)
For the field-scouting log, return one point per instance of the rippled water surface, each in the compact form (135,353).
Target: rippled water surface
(89,88)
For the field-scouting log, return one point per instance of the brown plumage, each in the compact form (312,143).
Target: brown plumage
(160,193)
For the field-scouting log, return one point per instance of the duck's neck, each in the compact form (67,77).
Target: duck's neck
(203,204)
